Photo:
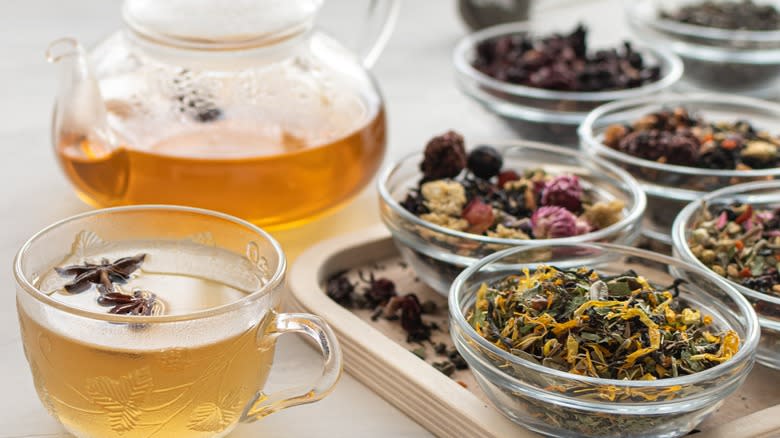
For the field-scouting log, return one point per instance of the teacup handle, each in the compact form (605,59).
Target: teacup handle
(319,331)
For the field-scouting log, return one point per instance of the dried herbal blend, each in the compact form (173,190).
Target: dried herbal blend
(613,327)
(732,15)
(741,243)
(673,136)
(475,193)
(562,62)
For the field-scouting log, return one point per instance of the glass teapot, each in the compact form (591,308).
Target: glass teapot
(237,106)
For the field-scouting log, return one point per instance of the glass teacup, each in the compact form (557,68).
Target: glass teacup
(181,344)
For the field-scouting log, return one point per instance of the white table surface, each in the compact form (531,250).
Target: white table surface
(416,77)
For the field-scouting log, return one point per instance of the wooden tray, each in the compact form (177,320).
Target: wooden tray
(377,354)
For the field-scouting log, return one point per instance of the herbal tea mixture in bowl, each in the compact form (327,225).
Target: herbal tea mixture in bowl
(612,327)
(447,207)
(477,194)
(675,136)
(601,340)
(681,147)
(735,233)
(741,243)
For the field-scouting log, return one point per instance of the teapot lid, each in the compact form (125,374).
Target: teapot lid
(219,24)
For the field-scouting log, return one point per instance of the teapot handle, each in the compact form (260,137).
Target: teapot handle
(378,26)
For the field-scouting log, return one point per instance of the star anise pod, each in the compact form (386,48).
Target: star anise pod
(139,303)
(106,273)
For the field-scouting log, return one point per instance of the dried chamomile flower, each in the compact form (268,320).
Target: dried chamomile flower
(446,221)
(603,214)
(445,197)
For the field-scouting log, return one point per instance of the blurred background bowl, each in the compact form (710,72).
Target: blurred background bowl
(538,113)
(723,60)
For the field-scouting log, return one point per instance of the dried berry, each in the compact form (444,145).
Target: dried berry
(445,157)
(564,191)
(485,162)
(479,215)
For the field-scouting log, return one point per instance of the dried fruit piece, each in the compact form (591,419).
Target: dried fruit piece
(445,156)
(485,162)
(479,215)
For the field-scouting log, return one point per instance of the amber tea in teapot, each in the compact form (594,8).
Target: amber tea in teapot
(255,115)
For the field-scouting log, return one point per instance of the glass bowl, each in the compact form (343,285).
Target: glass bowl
(739,61)
(762,194)
(537,113)
(562,404)
(670,187)
(439,254)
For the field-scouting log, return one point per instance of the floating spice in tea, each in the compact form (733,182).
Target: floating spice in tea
(474,193)
(613,327)
(105,276)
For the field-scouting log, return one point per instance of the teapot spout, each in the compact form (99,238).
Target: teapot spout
(80,112)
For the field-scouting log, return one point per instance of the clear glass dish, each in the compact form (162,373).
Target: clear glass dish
(740,61)
(537,113)
(439,254)
(764,195)
(547,400)
(670,187)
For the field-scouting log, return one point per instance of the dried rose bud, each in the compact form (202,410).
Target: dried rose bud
(552,222)
(485,162)
(564,191)
(479,216)
(506,176)
(445,156)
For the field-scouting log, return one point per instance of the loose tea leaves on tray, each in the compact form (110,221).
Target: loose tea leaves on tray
(732,15)
(379,295)
(673,136)
(562,62)
(476,193)
(615,327)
